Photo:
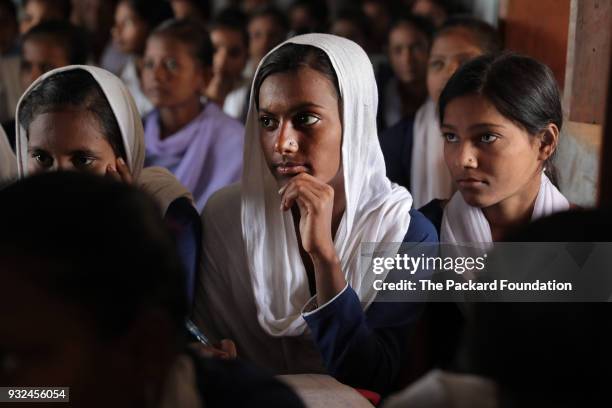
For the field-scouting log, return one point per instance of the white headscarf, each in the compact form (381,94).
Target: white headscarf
(429,175)
(462,223)
(376,210)
(132,133)
(8,163)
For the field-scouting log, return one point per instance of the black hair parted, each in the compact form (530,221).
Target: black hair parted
(73,39)
(152,12)
(95,243)
(521,88)
(192,33)
(73,89)
(291,57)
(486,36)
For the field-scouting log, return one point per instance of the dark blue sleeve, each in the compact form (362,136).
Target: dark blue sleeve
(396,145)
(365,349)
(185,225)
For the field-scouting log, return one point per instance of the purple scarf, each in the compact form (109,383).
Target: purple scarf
(204,156)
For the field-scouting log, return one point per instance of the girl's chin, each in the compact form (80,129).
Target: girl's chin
(478,200)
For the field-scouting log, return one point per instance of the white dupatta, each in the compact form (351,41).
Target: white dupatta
(376,210)
(429,175)
(462,223)
(157,182)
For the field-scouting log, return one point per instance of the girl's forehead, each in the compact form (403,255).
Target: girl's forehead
(456,36)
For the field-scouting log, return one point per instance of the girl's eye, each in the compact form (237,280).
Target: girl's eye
(43,159)
(171,64)
(267,122)
(148,64)
(307,120)
(436,64)
(488,138)
(450,137)
(83,161)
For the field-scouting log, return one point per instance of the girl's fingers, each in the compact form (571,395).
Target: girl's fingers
(123,171)
(112,173)
(297,186)
(229,347)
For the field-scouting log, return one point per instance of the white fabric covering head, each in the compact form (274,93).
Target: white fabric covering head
(376,210)
(462,223)
(429,175)
(132,134)
(8,163)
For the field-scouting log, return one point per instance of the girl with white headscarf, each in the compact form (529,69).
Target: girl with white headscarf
(501,118)
(8,164)
(283,274)
(83,118)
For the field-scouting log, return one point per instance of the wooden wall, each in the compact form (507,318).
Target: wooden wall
(539,29)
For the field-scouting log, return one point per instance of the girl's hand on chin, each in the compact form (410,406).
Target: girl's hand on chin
(120,172)
(315,201)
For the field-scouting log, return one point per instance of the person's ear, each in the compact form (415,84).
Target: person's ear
(549,139)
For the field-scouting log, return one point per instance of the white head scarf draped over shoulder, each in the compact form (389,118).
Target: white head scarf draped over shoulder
(462,223)
(159,184)
(376,210)
(8,163)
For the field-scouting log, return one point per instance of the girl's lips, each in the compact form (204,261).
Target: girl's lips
(290,169)
(470,182)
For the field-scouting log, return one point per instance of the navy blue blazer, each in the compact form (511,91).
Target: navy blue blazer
(365,349)
(396,144)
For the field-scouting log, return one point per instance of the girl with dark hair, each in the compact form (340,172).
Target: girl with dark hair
(283,274)
(134,20)
(196,9)
(191,137)
(412,147)
(83,118)
(97,294)
(37,11)
(500,118)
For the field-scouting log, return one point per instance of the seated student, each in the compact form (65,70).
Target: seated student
(438,11)
(283,274)
(500,119)
(197,9)
(307,16)
(48,45)
(192,138)
(351,23)
(134,20)
(97,302)
(82,118)
(408,46)
(97,17)
(379,14)
(529,354)
(8,163)
(413,147)
(268,27)
(10,90)
(37,11)
(230,41)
